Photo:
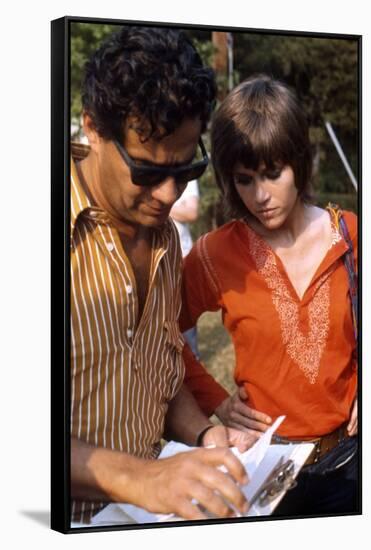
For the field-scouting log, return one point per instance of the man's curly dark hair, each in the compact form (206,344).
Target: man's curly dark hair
(154,75)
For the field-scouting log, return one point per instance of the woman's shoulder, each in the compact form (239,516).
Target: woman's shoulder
(349,217)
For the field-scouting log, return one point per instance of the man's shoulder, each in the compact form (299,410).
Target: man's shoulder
(170,236)
(222,234)
(221,241)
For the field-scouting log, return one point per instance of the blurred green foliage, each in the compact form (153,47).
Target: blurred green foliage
(85,38)
(323,72)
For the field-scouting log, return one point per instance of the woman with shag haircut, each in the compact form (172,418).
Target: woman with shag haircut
(283,275)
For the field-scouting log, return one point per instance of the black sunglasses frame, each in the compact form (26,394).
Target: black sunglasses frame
(149,176)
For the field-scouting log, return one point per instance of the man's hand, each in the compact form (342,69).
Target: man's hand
(221,436)
(235,413)
(353,421)
(165,485)
(178,483)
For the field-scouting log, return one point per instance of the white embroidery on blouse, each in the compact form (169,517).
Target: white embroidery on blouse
(305,350)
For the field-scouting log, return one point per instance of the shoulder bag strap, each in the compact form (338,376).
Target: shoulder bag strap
(348,262)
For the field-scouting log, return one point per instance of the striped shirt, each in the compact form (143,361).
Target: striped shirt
(123,373)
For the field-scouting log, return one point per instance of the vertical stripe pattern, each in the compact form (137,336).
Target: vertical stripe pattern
(122,373)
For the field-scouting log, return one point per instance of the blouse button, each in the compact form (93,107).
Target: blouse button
(129,289)
(110,246)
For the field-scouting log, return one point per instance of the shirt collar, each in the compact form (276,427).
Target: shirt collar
(79,199)
(80,202)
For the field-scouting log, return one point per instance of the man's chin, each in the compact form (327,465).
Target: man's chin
(153,220)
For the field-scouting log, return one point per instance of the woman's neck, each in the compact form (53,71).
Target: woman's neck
(300,217)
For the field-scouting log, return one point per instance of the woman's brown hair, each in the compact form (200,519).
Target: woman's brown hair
(260,122)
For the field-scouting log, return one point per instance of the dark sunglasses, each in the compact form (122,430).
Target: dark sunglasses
(150,175)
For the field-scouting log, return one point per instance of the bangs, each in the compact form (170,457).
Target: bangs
(261,144)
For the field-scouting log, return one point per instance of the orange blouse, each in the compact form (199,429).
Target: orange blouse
(293,356)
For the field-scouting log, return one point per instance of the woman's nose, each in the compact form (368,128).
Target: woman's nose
(261,192)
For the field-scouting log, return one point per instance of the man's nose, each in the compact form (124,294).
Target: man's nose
(166,192)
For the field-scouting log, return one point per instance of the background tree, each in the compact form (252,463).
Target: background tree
(85,38)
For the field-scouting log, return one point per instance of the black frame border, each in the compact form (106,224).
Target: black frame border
(60,267)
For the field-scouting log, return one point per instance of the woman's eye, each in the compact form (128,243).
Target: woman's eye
(242,179)
(273,174)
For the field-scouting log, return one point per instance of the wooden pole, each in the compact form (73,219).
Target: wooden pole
(220,61)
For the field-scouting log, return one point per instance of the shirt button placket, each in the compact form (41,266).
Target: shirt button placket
(129,289)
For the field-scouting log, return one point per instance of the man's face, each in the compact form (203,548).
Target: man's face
(140,205)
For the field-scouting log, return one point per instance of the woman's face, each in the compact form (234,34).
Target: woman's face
(269,194)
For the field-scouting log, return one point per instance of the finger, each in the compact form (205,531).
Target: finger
(354,431)
(224,457)
(242,393)
(219,457)
(353,418)
(223,483)
(353,428)
(245,410)
(216,436)
(247,422)
(258,416)
(210,500)
(242,428)
(351,424)
(188,510)
(241,440)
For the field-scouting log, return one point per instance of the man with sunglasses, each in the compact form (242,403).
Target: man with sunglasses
(146,100)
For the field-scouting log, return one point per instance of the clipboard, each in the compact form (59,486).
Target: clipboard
(272,470)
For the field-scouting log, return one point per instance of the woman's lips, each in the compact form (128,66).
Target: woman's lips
(267,212)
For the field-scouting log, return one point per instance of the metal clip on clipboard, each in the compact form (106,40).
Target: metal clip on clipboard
(279,480)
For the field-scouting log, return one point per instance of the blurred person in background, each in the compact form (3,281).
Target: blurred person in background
(184,212)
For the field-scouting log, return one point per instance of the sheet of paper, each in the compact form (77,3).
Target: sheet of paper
(253,456)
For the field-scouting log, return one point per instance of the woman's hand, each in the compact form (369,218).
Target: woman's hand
(353,421)
(221,436)
(235,413)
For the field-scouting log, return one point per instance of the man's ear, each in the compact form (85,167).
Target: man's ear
(88,127)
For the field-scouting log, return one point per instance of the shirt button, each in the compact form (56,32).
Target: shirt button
(129,333)
(129,289)
(110,246)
